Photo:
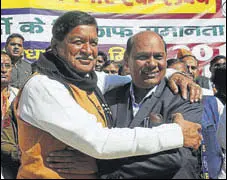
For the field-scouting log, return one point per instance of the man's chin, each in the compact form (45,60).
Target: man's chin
(151,83)
(98,69)
(84,71)
(16,56)
(4,83)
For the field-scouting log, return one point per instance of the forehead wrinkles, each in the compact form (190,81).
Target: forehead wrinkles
(83,31)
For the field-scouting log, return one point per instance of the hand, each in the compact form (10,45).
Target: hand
(72,162)
(185,83)
(190,130)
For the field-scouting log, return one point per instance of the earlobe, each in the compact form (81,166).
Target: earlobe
(126,58)
(54,44)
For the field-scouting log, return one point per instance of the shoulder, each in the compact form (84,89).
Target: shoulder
(13,93)
(14,90)
(42,82)
(213,102)
(164,92)
(26,64)
(117,94)
(176,100)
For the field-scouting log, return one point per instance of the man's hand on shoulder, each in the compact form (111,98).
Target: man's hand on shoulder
(181,83)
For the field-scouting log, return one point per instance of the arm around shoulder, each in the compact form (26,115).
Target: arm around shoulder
(47,104)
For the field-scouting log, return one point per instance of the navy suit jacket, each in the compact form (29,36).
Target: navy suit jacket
(175,163)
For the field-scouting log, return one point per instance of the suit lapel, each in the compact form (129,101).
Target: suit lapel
(148,105)
(124,111)
(124,115)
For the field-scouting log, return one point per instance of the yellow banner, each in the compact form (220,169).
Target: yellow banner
(119,6)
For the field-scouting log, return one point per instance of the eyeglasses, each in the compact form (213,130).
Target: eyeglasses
(6,66)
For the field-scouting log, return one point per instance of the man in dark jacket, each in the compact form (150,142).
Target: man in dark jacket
(149,102)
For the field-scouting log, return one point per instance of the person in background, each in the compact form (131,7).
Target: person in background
(177,64)
(124,69)
(101,60)
(218,77)
(216,61)
(193,68)
(10,159)
(111,67)
(21,69)
(219,80)
(221,134)
(211,153)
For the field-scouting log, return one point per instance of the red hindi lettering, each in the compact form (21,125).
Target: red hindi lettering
(189,1)
(109,2)
(127,3)
(100,1)
(203,1)
(179,2)
(94,1)
(145,2)
(167,3)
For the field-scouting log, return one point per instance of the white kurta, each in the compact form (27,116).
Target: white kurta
(48,105)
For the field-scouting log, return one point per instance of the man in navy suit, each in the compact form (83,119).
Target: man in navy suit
(148,102)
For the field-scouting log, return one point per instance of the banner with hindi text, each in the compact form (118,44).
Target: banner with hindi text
(198,25)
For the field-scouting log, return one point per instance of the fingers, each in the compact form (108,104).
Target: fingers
(194,137)
(59,159)
(197,142)
(191,131)
(75,171)
(76,166)
(173,86)
(195,92)
(192,93)
(61,165)
(198,127)
(62,153)
(198,95)
(67,153)
(179,82)
(177,117)
(184,89)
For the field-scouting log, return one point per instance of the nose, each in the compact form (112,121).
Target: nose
(3,69)
(17,46)
(190,69)
(87,48)
(152,62)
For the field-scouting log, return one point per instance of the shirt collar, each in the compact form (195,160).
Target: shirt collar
(132,94)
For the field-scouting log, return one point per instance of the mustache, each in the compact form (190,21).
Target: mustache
(147,69)
(85,58)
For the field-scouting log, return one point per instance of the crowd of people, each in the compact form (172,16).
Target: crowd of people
(75,114)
